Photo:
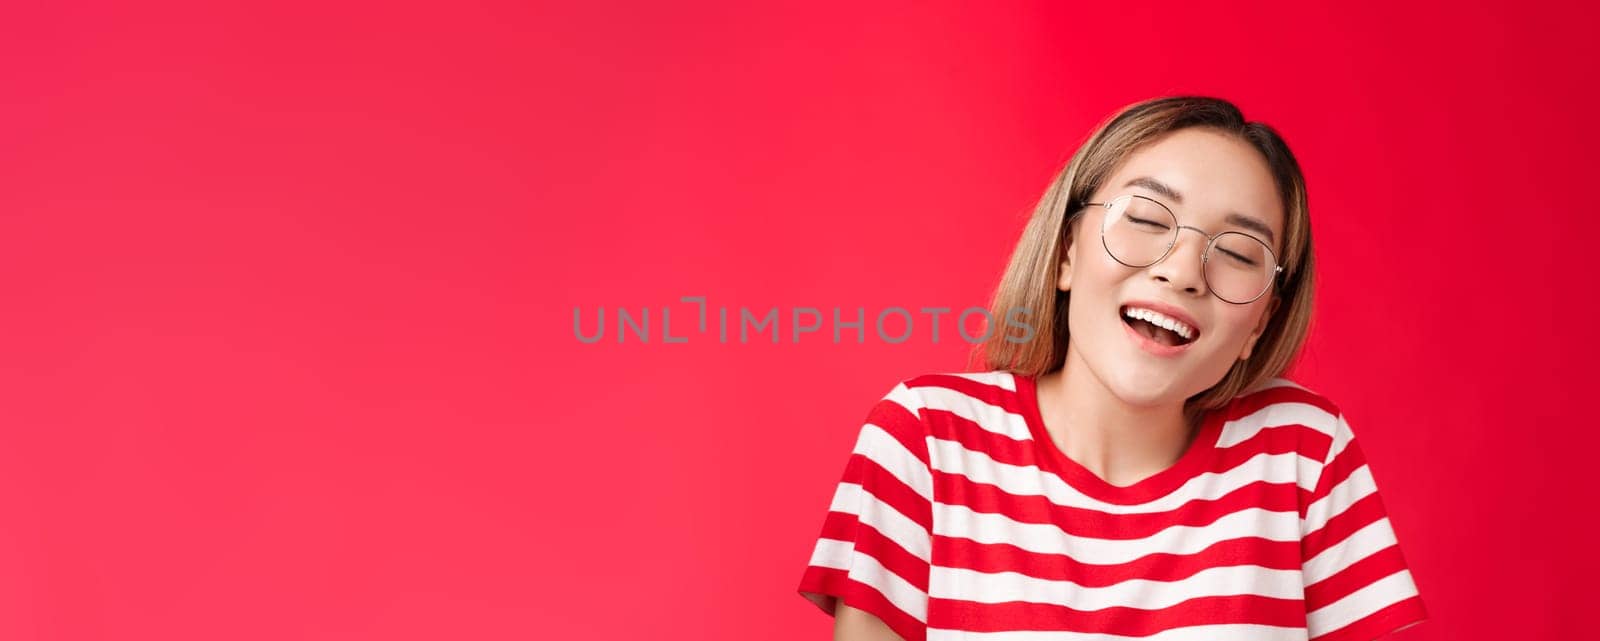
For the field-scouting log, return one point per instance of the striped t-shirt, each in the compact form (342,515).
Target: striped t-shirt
(958,518)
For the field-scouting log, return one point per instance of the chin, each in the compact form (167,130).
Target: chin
(1147,388)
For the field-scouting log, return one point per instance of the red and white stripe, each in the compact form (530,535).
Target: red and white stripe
(945,525)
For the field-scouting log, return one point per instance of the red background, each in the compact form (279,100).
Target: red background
(288,347)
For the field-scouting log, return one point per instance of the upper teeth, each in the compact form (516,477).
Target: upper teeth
(1162,320)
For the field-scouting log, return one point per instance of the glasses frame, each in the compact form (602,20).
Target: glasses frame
(1205,256)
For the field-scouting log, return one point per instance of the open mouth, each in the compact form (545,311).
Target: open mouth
(1149,328)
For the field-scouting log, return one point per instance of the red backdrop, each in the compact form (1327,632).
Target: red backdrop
(288,345)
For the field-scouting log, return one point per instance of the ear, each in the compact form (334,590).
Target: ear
(1261,328)
(1069,257)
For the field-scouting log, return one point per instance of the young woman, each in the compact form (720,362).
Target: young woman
(1132,464)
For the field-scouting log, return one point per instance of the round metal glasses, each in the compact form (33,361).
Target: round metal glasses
(1139,232)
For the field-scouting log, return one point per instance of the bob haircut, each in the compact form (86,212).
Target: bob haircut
(1029,283)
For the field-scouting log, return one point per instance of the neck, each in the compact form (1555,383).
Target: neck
(1120,442)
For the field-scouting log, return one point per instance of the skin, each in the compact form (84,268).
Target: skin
(850,624)
(1112,407)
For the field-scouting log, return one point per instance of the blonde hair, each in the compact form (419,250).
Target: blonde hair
(1030,278)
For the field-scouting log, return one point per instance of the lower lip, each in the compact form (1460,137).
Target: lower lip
(1151,346)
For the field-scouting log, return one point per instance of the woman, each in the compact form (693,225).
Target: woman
(1131,464)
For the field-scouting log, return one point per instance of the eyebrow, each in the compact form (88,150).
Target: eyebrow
(1233,218)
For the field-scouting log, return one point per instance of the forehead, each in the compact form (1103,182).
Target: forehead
(1212,174)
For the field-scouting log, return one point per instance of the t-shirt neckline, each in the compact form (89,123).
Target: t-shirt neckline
(1194,460)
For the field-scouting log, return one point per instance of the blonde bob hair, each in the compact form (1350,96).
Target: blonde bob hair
(1039,346)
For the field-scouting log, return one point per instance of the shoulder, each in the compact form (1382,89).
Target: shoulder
(950,391)
(1284,403)
(995,378)
(1281,402)
(1282,394)
(959,390)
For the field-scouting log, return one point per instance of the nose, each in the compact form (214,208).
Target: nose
(1182,266)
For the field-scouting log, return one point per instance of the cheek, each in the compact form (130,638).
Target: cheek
(1230,330)
(1095,286)
(1097,267)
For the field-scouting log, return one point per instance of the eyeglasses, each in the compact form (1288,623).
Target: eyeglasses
(1140,232)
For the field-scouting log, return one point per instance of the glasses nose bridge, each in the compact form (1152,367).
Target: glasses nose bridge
(1205,244)
(1197,230)
(1204,247)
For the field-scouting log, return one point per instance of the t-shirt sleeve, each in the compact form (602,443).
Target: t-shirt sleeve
(874,549)
(1357,584)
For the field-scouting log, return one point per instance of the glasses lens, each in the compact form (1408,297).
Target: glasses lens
(1239,267)
(1138,231)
